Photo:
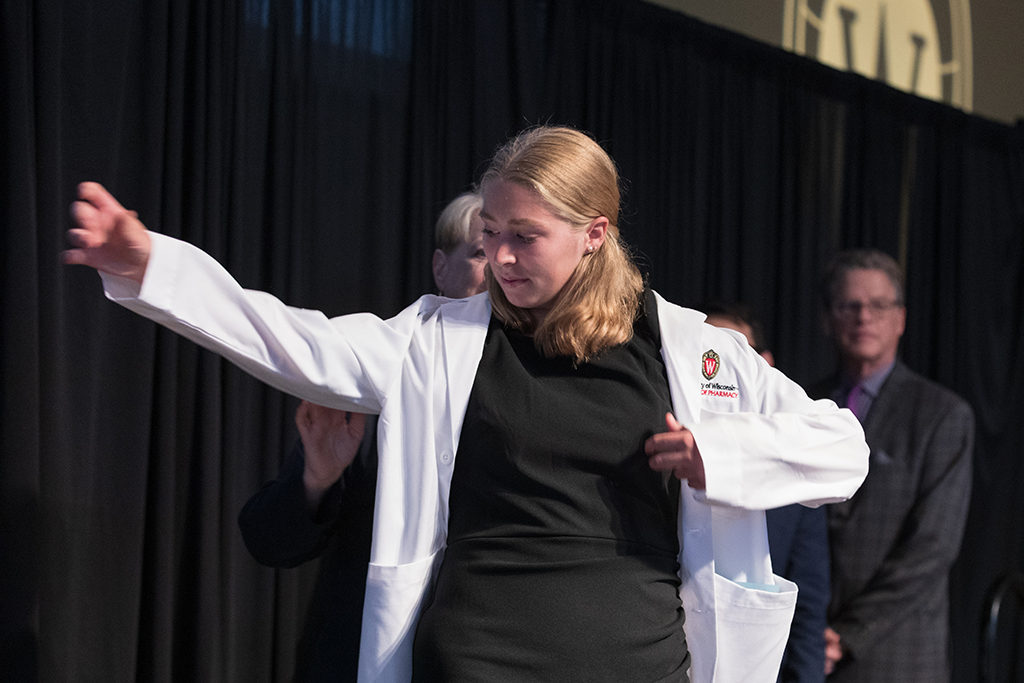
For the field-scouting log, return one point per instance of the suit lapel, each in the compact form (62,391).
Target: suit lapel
(885,403)
(876,424)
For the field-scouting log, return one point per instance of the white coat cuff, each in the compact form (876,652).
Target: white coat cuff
(157,288)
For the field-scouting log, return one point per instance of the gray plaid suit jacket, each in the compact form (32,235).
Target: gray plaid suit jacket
(894,541)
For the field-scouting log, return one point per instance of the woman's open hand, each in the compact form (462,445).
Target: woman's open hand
(109,237)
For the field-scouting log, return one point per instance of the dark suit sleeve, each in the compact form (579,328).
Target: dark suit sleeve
(930,538)
(276,526)
(804,660)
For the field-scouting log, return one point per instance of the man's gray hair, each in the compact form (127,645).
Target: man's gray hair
(860,259)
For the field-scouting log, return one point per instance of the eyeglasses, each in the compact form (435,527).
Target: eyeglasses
(875,307)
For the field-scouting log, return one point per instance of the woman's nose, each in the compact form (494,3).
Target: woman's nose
(504,254)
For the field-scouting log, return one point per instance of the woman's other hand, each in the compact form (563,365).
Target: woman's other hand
(676,451)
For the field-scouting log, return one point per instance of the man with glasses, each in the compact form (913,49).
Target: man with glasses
(894,541)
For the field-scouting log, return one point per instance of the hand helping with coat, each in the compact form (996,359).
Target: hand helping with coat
(676,451)
(330,439)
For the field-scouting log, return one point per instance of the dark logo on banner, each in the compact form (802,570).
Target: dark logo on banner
(710,364)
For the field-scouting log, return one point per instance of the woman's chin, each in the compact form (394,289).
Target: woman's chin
(524,299)
(516,296)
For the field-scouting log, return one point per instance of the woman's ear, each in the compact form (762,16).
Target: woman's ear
(596,233)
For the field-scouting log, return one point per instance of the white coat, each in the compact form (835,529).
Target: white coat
(763,443)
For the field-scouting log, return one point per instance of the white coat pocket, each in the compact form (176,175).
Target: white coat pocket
(395,596)
(753,627)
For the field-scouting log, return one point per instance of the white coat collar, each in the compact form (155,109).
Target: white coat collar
(678,325)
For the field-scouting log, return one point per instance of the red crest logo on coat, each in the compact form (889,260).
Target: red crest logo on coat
(710,364)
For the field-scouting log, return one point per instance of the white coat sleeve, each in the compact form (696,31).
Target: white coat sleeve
(345,363)
(771,445)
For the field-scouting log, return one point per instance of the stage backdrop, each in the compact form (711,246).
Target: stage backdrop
(309,146)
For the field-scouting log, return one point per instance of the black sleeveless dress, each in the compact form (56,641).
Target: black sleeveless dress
(562,552)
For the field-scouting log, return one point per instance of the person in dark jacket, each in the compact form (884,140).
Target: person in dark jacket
(893,543)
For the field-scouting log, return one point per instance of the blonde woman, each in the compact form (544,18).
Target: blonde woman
(561,546)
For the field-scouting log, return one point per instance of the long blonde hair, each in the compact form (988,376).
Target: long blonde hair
(596,308)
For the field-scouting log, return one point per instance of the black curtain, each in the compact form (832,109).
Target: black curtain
(309,146)
(273,135)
